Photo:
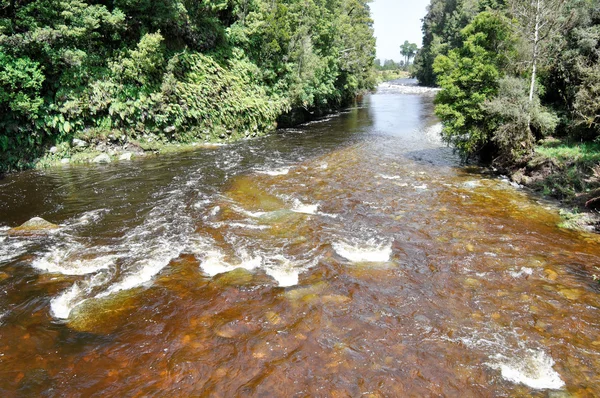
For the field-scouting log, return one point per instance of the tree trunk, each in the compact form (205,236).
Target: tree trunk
(536,38)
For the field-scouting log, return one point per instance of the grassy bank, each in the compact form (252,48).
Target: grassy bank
(568,171)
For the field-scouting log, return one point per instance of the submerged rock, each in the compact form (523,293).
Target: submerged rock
(235,277)
(102,158)
(104,315)
(35,226)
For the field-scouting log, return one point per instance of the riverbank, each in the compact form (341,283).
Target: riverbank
(107,148)
(116,145)
(566,171)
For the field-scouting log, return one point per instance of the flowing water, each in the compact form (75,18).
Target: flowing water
(348,257)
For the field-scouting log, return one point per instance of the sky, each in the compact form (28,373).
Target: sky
(396,21)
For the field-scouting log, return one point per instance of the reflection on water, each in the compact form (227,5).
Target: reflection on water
(347,257)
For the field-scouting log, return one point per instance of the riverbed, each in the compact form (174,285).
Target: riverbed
(351,256)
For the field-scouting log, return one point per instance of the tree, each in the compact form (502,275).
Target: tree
(514,116)
(408,50)
(537,20)
(469,76)
(441,31)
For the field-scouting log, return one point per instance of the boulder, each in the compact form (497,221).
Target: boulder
(126,156)
(65,160)
(102,158)
(35,226)
(53,150)
(79,143)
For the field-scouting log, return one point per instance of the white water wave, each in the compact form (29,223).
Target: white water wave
(523,271)
(283,271)
(88,217)
(11,249)
(248,213)
(398,88)
(361,252)
(62,305)
(534,369)
(433,133)
(215,263)
(142,253)
(67,260)
(275,172)
(511,355)
(300,207)
(388,177)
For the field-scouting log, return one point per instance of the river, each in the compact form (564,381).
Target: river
(348,257)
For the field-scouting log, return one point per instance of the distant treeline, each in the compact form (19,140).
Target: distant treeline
(180,69)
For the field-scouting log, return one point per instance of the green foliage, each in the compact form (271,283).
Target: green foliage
(441,31)
(469,76)
(515,117)
(408,51)
(181,70)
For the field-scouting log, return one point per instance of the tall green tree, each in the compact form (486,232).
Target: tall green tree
(408,51)
(469,76)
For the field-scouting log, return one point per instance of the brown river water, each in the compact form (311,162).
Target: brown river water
(349,257)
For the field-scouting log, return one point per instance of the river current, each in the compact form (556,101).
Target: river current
(348,257)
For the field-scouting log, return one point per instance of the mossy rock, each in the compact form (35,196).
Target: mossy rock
(103,315)
(33,227)
(236,277)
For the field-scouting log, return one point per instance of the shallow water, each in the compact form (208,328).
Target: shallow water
(352,256)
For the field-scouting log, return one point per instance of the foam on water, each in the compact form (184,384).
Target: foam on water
(87,217)
(60,260)
(62,305)
(284,277)
(248,226)
(214,263)
(283,271)
(420,187)
(399,88)
(141,253)
(300,207)
(521,272)
(11,249)
(143,271)
(534,370)
(247,213)
(388,177)
(433,133)
(472,184)
(369,251)
(275,172)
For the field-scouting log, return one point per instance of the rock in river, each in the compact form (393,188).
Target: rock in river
(35,226)
(102,158)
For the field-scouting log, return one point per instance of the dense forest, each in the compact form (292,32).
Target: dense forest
(520,87)
(171,70)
